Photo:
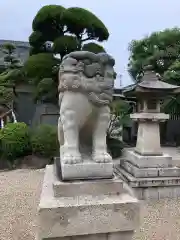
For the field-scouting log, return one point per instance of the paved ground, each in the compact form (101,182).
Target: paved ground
(19,195)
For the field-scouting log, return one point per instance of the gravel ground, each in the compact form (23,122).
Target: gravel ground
(19,196)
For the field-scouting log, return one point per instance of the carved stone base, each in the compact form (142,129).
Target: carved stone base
(85,170)
(156,181)
(86,209)
(92,187)
(142,161)
(150,172)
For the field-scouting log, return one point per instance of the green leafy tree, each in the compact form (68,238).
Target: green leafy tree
(42,91)
(67,29)
(120,111)
(10,59)
(119,118)
(12,73)
(59,31)
(6,96)
(40,66)
(172,75)
(160,49)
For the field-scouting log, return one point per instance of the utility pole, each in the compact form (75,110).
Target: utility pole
(119,76)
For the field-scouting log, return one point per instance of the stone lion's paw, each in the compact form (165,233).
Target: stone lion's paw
(71,158)
(102,157)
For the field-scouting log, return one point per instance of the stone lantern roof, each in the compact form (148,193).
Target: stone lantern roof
(151,80)
(151,83)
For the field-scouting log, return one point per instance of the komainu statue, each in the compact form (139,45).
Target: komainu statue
(86,82)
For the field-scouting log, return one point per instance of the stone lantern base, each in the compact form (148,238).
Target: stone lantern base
(88,209)
(152,177)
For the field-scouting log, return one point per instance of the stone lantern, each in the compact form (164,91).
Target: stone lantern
(150,91)
(146,167)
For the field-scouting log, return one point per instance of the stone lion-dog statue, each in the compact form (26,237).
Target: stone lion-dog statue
(86,82)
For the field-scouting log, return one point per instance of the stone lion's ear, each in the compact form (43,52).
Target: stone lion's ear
(66,56)
(69,61)
(81,55)
(106,59)
(115,75)
(103,57)
(111,61)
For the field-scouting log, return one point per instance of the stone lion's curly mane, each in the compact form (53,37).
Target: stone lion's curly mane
(87,72)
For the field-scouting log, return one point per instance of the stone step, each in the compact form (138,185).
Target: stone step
(160,181)
(150,172)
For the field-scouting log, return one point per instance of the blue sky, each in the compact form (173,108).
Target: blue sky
(126,20)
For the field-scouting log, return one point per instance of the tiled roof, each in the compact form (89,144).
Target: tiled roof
(129,88)
(16,43)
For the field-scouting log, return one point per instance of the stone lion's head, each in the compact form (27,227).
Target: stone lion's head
(88,72)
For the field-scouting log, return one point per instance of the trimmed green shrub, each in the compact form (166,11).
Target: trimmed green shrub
(40,66)
(93,47)
(15,141)
(115,147)
(44,141)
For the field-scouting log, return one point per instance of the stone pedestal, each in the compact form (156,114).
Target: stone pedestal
(146,168)
(151,176)
(92,209)
(86,170)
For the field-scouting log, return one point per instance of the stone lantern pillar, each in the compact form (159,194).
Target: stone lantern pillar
(146,168)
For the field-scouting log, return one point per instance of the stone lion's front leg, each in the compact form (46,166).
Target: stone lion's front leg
(70,150)
(99,137)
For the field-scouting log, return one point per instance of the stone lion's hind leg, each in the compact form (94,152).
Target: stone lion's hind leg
(70,150)
(100,154)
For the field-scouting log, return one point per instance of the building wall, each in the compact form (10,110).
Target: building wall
(24,104)
(32,113)
(45,113)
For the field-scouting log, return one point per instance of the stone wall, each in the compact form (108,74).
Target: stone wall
(33,113)
(45,114)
